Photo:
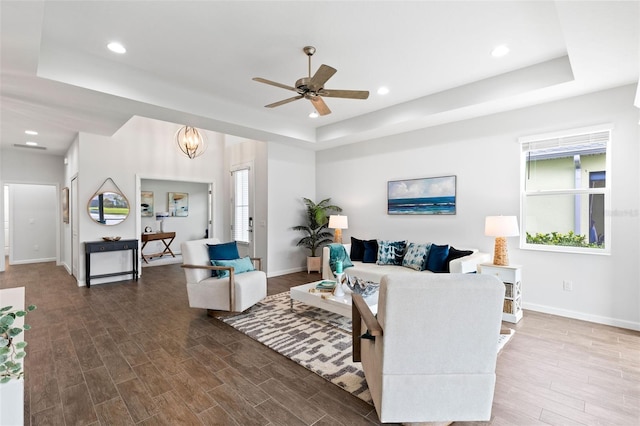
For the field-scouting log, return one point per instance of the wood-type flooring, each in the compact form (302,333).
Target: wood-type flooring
(135,353)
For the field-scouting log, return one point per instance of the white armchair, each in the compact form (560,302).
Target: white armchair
(434,351)
(235,293)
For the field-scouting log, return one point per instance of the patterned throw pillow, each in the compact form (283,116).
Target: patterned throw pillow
(416,256)
(391,252)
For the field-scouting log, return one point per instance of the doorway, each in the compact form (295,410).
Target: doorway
(31,223)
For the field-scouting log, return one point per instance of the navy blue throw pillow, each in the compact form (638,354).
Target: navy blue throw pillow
(357,249)
(370,251)
(456,254)
(437,260)
(224,251)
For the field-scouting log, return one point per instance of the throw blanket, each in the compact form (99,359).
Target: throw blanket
(338,252)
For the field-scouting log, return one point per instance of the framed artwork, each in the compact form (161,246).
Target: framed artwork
(435,195)
(178,204)
(146,203)
(65,204)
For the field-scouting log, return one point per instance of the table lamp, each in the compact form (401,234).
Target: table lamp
(501,227)
(338,223)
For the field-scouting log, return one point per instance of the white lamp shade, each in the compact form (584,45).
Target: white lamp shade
(338,222)
(501,226)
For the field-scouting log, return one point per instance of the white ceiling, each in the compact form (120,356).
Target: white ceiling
(192,63)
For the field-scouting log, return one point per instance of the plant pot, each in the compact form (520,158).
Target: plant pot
(314,264)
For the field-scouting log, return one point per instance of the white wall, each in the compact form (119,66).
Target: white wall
(291,176)
(144,148)
(484,155)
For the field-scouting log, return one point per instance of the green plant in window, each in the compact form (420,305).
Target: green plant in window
(11,353)
(570,239)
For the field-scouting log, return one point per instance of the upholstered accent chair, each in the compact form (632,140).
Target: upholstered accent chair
(430,353)
(235,292)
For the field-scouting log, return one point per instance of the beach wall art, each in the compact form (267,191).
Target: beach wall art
(432,196)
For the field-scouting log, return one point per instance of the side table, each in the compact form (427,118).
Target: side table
(511,276)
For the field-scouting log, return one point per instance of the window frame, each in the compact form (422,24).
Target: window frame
(606,190)
(235,205)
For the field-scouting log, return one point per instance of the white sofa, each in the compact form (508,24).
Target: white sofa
(433,356)
(374,272)
(234,293)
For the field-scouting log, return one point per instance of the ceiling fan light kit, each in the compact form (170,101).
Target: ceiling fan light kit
(312,88)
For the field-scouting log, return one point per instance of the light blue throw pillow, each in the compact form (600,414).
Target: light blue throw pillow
(241,265)
(416,256)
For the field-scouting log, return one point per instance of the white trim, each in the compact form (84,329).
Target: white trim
(613,322)
(564,133)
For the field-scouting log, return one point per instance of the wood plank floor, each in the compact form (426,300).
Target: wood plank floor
(135,353)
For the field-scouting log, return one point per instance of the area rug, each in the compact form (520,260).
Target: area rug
(316,339)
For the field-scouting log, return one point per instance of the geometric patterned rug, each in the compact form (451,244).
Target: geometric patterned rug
(316,339)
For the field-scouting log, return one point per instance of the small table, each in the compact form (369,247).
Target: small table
(107,246)
(340,305)
(157,236)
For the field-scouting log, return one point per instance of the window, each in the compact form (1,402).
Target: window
(240,229)
(565,191)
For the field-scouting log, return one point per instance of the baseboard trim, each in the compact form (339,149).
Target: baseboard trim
(285,272)
(27,261)
(614,322)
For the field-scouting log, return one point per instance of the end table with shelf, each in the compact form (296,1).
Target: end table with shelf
(511,276)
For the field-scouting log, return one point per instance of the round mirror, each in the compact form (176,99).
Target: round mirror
(108,208)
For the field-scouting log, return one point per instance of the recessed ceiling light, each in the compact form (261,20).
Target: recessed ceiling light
(500,51)
(383,90)
(313,114)
(31,132)
(116,47)
(30,143)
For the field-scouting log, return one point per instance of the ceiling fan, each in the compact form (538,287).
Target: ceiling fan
(312,88)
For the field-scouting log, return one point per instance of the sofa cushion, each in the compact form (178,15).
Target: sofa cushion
(357,249)
(223,251)
(455,254)
(239,266)
(370,251)
(416,256)
(391,252)
(437,260)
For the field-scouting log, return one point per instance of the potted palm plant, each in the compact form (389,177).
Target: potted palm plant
(316,229)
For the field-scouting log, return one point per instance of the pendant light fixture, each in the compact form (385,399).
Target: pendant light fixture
(191,141)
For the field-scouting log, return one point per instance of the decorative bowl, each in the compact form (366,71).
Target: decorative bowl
(362,287)
(111,238)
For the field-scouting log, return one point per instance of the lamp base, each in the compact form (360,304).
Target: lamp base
(500,253)
(337,236)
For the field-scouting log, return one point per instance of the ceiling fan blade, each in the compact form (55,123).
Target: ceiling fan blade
(319,105)
(273,83)
(350,94)
(285,101)
(324,73)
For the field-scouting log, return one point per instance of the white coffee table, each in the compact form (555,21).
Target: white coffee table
(340,305)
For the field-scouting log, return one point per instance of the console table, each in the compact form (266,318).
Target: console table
(91,247)
(157,236)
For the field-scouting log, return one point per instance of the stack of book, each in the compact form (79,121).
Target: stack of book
(325,286)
